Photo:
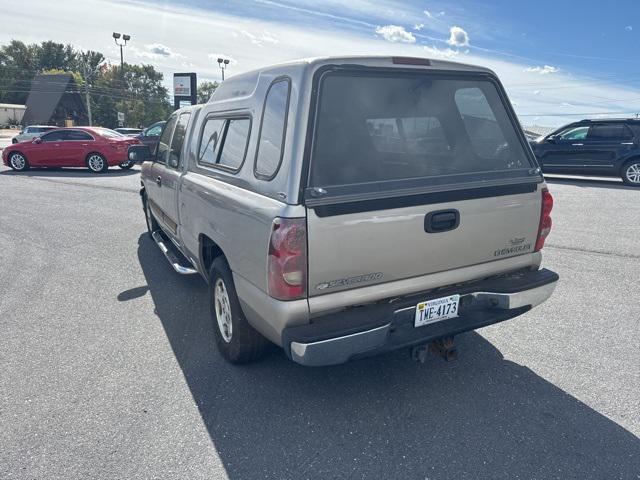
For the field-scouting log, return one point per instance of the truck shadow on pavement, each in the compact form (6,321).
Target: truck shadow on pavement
(383,417)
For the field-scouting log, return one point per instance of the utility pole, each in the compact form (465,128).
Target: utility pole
(88,73)
(86,92)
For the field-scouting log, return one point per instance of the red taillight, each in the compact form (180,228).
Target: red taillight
(545,219)
(287,261)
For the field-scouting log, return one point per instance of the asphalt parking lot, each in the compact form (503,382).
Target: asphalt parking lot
(109,368)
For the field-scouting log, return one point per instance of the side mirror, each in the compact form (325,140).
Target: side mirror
(139,153)
(37,140)
(552,139)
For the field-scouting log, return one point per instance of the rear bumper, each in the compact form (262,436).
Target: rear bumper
(382,327)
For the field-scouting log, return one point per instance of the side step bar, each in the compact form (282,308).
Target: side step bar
(173,260)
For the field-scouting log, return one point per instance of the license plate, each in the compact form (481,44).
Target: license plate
(436,310)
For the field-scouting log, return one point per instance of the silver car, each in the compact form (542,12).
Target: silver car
(31,132)
(344,207)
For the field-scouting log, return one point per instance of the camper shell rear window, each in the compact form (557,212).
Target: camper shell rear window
(377,130)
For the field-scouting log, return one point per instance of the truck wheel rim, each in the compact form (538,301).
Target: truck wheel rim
(223,310)
(17,161)
(633,173)
(96,163)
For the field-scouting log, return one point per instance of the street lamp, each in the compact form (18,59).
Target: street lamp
(121,44)
(223,62)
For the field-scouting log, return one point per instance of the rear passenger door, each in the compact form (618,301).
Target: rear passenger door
(605,143)
(76,146)
(170,173)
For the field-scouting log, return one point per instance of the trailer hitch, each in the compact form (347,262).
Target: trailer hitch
(444,348)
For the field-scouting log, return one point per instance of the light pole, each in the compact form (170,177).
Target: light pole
(223,62)
(125,39)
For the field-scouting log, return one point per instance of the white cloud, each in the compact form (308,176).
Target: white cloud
(155,51)
(215,56)
(429,14)
(628,28)
(537,92)
(446,53)
(260,40)
(458,37)
(159,49)
(395,34)
(545,70)
(418,26)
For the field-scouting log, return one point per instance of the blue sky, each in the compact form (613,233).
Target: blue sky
(558,60)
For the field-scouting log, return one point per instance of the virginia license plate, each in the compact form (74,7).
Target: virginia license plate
(436,310)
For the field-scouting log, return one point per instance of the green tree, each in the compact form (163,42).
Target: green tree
(139,93)
(141,96)
(205,90)
(52,55)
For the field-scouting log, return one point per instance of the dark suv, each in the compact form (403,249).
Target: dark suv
(593,147)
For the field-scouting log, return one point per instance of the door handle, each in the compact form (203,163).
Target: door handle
(577,144)
(159,180)
(441,221)
(627,143)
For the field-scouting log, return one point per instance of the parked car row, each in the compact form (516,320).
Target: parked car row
(45,146)
(94,148)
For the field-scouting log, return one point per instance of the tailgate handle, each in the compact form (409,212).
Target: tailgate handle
(441,221)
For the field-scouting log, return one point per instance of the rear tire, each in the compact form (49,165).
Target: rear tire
(631,173)
(126,165)
(18,161)
(237,341)
(96,163)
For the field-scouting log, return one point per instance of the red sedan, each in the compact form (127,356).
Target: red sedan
(91,147)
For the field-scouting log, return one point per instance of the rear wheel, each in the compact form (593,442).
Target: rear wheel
(631,173)
(126,165)
(237,341)
(96,163)
(18,162)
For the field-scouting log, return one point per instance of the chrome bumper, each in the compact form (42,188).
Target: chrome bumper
(509,301)
(340,349)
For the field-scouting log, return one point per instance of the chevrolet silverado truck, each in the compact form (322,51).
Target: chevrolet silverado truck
(344,207)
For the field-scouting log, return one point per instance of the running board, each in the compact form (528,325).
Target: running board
(173,260)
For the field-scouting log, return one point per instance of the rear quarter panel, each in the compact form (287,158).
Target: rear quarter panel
(237,220)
